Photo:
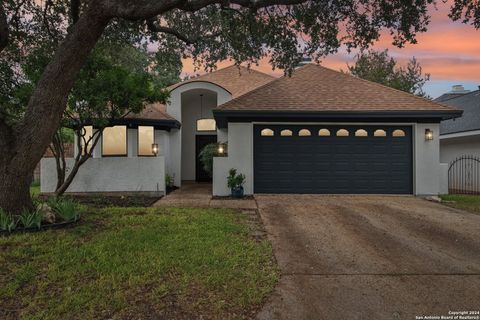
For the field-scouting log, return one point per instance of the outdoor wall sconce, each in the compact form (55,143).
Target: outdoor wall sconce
(428,134)
(155,148)
(221,149)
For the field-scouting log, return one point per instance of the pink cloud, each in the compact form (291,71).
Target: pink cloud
(448,50)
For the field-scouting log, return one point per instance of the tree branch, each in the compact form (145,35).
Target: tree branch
(4,31)
(147,9)
(75,10)
(48,101)
(155,27)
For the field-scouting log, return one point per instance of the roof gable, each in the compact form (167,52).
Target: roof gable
(314,88)
(234,79)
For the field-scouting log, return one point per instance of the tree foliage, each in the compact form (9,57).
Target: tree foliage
(205,30)
(116,81)
(378,66)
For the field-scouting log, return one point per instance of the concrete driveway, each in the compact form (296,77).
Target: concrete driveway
(370,257)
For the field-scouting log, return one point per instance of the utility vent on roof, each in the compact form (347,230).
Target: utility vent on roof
(304,61)
(458,88)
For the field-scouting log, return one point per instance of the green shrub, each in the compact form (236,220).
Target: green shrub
(30,219)
(169,180)
(207,154)
(7,221)
(66,208)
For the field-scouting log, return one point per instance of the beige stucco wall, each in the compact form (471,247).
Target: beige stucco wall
(240,157)
(115,174)
(427,160)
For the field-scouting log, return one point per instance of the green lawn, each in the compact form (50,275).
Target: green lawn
(465,202)
(35,189)
(124,263)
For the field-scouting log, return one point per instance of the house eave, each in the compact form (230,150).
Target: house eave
(224,116)
(158,124)
(460,134)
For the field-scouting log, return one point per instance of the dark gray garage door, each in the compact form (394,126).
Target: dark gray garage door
(332,159)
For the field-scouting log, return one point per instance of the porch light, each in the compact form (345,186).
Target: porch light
(155,148)
(428,134)
(221,149)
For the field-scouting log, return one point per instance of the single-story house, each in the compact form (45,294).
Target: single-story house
(318,131)
(460,136)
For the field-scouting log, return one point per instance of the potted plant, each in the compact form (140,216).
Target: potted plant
(235,183)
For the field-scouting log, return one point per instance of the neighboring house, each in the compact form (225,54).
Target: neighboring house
(457,91)
(461,136)
(319,131)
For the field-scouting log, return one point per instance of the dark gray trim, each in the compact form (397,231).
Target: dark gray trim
(157,124)
(224,116)
(166,125)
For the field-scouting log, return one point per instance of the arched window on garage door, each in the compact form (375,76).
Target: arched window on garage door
(267,132)
(361,133)
(343,133)
(380,133)
(304,133)
(286,133)
(324,133)
(398,133)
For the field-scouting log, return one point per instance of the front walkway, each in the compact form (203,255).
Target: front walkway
(199,195)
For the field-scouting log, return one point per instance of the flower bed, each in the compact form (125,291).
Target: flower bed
(55,213)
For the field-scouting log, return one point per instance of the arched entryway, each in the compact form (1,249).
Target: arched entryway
(198,130)
(190,102)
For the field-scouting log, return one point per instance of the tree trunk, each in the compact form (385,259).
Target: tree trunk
(68,181)
(44,111)
(57,148)
(84,153)
(15,192)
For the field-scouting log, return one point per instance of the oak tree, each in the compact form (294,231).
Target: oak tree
(205,30)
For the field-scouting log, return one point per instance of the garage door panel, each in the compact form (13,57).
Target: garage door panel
(319,164)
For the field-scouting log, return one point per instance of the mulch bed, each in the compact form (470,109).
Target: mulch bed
(232,198)
(171,189)
(102,201)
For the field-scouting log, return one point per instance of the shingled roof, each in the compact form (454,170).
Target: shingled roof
(154,111)
(234,79)
(153,114)
(470,120)
(314,88)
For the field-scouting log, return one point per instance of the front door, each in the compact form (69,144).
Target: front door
(201,141)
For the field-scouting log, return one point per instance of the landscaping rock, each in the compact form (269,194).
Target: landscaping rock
(48,215)
(434,198)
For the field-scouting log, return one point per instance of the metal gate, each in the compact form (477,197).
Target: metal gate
(464,175)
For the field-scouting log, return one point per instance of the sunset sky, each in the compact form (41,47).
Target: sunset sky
(449,51)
